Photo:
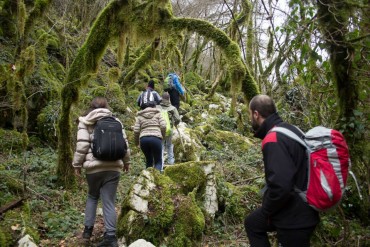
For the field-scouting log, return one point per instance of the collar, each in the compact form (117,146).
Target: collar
(268,124)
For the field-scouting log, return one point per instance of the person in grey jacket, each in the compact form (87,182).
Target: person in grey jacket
(174,117)
(149,130)
(102,176)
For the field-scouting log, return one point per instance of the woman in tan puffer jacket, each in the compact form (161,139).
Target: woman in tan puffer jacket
(149,129)
(102,176)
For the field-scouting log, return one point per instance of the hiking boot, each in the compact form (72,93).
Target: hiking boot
(108,241)
(87,232)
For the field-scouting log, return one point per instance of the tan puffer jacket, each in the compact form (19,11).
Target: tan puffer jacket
(83,156)
(149,122)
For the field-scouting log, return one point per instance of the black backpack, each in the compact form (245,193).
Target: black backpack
(108,143)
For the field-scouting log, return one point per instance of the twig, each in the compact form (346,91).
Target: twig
(247,180)
(11,205)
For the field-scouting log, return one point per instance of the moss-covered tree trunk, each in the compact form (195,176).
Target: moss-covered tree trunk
(350,67)
(85,64)
(334,22)
(231,50)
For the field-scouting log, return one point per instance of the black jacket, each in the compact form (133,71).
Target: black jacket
(285,167)
(174,97)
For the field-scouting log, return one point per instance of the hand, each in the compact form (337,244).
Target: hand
(78,172)
(126,167)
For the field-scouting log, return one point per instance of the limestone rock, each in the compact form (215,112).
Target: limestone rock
(26,241)
(141,243)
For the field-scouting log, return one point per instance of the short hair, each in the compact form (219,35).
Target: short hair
(151,84)
(263,104)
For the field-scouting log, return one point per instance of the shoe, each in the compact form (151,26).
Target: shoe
(87,232)
(108,241)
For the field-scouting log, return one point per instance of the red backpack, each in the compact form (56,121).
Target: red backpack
(328,165)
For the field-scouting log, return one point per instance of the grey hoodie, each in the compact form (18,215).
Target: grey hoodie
(149,122)
(83,156)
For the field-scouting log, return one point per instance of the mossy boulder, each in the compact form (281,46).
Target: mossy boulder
(222,140)
(167,210)
(188,176)
(187,145)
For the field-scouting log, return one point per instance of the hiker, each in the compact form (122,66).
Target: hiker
(149,130)
(174,118)
(102,176)
(285,167)
(173,86)
(149,95)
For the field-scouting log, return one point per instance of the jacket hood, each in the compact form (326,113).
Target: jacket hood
(165,102)
(148,112)
(95,115)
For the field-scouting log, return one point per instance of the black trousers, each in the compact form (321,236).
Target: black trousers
(257,226)
(152,149)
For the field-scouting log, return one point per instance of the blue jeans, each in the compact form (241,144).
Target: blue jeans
(102,184)
(152,149)
(168,146)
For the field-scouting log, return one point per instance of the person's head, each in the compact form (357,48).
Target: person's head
(151,84)
(260,107)
(97,102)
(166,96)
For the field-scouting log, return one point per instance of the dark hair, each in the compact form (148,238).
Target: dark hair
(263,104)
(97,102)
(151,84)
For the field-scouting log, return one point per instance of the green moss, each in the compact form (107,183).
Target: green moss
(11,141)
(46,123)
(38,10)
(131,225)
(145,57)
(22,13)
(174,217)
(13,185)
(188,175)
(223,140)
(230,198)
(5,238)
(189,222)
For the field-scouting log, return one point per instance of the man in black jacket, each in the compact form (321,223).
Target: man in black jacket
(285,166)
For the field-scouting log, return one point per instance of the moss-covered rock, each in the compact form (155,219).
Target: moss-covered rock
(189,222)
(165,208)
(222,140)
(230,200)
(187,145)
(188,175)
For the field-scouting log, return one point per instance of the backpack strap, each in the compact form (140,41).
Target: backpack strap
(290,134)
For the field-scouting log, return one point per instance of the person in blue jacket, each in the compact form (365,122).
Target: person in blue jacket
(175,90)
